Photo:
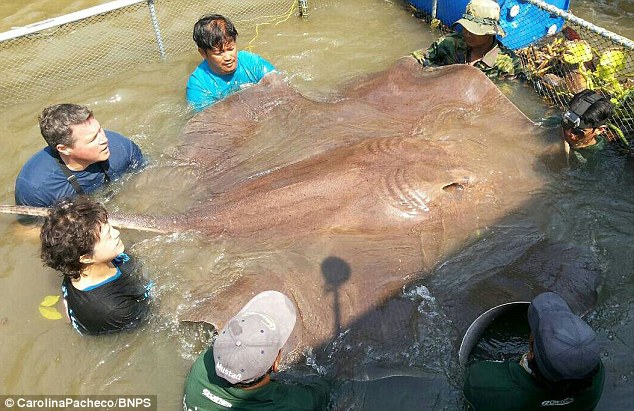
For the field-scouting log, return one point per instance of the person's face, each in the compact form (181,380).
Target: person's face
(90,144)
(580,137)
(476,40)
(222,61)
(107,247)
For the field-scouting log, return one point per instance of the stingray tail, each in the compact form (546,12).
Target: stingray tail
(24,210)
(128,221)
(163,224)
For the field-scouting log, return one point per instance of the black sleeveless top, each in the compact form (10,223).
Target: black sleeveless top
(118,303)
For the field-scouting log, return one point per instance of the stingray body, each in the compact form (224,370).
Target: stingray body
(355,197)
(352,198)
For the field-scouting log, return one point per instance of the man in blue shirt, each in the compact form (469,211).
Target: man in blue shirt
(81,157)
(223,70)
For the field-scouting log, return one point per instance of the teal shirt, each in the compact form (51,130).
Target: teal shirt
(205,87)
(204,390)
(452,49)
(507,386)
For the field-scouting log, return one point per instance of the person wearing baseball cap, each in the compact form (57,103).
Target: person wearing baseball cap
(584,126)
(562,369)
(234,373)
(476,44)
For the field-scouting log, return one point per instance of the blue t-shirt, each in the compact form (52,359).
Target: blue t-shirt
(206,87)
(41,182)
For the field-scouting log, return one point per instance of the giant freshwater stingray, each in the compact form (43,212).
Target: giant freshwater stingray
(355,197)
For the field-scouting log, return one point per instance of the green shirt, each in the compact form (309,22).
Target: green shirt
(588,154)
(452,49)
(204,390)
(507,386)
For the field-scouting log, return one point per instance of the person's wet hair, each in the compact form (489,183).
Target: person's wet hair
(214,31)
(253,382)
(598,113)
(70,230)
(56,121)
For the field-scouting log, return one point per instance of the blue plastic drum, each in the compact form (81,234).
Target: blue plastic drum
(523,22)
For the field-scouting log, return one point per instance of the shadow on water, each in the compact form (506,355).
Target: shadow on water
(403,354)
(336,272)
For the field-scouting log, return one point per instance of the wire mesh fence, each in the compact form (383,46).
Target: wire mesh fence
(112,41)
(578,59)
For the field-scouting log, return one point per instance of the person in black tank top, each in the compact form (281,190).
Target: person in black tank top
(100,292)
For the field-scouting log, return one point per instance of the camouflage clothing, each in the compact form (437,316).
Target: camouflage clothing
(452,49)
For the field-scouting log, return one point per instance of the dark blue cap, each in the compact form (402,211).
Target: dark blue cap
(565,346)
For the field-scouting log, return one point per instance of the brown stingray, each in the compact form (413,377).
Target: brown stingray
(350,199)
(400,170)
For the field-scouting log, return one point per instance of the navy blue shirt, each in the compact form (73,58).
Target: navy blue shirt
(41,182)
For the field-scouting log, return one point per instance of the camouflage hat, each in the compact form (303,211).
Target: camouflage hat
(482,17)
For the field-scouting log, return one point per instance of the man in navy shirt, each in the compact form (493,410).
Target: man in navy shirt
(81,157)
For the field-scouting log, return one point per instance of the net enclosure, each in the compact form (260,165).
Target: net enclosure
(560,53)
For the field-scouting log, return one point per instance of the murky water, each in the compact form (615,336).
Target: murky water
(592,208)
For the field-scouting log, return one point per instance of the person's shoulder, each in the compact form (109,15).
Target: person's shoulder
(118,138)
(201,69)
(40,182)
(451,38)
(498,385)
(251,59)
(306,396)
(124,153)
(443,51)
(488,366)
(42,160)
(204,369)
(200,77)
(485,374)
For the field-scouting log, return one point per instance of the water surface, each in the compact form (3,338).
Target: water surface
(340,41)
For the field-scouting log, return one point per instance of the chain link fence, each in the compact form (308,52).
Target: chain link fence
(89,45)
(585,57)
(109,39)
(568,55)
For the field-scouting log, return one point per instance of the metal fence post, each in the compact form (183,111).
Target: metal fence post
(157,29)
(303,8)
